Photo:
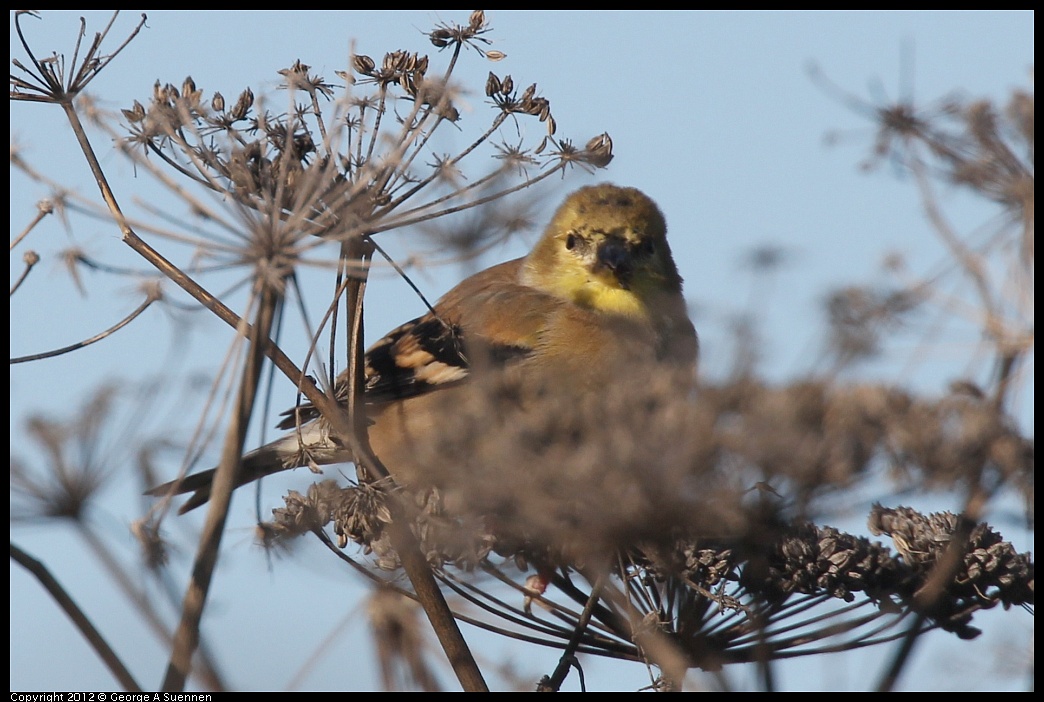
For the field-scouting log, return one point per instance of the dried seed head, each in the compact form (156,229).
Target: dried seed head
(441,37)
(493,84)
(296,68)
(363,64)
(599,151)
(135,114)
(243,105)
(153,547)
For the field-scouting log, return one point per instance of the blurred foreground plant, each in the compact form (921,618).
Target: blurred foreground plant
(685,535)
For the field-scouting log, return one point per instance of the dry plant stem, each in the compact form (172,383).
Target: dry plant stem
(568,659)
(431,599)
(93,636)
(763,656)
(53,86)
(976,269)
(902,654)
(322,402)
(186,638)
(208,672)
(403,541)
(761,650)
(547,635)
(358,252)
(461,659)
(408,221)
(429,596)
(31,259)
(652,645)
(972,264)
(40,214)
(935,584)
(1007,362)
(149,299)
(657,648)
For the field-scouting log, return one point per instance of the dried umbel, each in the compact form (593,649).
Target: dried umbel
(989,570)
(644,493)
(261,156)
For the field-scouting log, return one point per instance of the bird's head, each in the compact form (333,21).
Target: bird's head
(605,249)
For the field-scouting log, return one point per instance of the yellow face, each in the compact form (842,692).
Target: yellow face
(605,249)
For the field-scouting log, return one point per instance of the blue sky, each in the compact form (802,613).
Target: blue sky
(713,114)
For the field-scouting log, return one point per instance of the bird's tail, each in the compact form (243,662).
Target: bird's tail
(282,454)
(255,465)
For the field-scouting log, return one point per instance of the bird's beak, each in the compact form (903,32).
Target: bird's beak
(615,255)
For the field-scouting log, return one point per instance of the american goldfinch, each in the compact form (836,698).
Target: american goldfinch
(597,301)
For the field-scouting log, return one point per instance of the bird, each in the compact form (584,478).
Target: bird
(597,302)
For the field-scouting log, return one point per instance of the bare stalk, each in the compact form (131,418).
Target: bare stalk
(186,638)
(149,299)
(90,633)
(417,568)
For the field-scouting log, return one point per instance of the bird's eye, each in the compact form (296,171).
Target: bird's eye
(648,247)
(570,241)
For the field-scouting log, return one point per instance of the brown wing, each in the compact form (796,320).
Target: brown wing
(438,349)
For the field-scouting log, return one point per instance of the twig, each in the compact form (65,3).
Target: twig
(31,258)
(568,660)
(186,638)
(902,654)
(403,541)
(93,636)
(151,297)
(43,208)
(325,404)
(120,575)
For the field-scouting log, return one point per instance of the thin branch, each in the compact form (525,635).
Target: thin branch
(93,636)
(568,660)
(403,541)
(409,222)
(151,297)
(186,638)
(208,671)
(43,208)
(902,654)
(326,405)
(31,258)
